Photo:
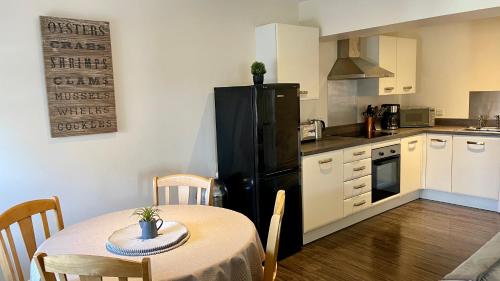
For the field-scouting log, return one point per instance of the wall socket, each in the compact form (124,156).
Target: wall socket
(439,111)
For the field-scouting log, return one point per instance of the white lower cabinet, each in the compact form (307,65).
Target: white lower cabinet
(476,166)
(438,162)
(358,203)
(322,189)
(412,165)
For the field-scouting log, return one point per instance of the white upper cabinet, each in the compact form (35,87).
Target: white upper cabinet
(412,163)
(291,55)
(397,55)
(439,158)
(380,50)
(406,66)
(476,166)
(322,189)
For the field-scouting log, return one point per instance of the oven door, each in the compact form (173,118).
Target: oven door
(385,177)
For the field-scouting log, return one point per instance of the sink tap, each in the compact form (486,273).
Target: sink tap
(497,117)
(481,121)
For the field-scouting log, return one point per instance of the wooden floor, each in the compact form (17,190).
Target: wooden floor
(422,240)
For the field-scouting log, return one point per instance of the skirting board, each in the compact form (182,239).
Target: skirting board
(369,212)
(459,199)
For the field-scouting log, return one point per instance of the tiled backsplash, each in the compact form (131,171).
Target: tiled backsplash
(346,107)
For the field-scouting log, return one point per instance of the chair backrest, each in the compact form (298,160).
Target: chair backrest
(273,238)
(90,268)
(22,214)
(184,189)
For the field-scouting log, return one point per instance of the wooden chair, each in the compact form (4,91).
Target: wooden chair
(273,238)
(22,214)
(90,268)
(184,189)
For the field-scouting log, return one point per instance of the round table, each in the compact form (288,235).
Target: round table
(224,245)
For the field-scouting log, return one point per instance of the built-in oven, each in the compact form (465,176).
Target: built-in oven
(386,166)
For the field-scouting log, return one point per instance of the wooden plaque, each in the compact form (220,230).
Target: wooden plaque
(79,76)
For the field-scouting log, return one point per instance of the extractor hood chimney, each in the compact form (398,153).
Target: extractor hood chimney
(349,65)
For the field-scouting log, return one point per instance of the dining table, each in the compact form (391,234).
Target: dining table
(223,244)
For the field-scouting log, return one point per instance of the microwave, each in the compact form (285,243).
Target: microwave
(413,117)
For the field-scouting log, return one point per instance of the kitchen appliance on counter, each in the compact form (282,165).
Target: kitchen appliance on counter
(386,166)
(258,153)
(311,130)
(390,118)
(415,117)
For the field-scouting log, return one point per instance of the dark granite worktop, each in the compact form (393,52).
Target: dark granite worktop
(329,143)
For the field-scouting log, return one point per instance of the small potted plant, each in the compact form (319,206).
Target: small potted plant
(258,70)
(148,220)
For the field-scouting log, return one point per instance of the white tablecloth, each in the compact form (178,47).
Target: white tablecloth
(224,245)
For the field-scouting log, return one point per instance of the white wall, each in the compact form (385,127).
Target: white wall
(454,59)
(168,56)
(339,16)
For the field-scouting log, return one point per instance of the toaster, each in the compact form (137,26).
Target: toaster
(311,130)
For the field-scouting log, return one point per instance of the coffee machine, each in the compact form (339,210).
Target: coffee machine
(390,118)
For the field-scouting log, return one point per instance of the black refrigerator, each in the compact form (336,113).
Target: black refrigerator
(258,152)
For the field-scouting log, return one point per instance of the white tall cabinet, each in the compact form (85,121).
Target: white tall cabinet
(438,163)
(412,165)
(476,166)
(291,55)
(322,189)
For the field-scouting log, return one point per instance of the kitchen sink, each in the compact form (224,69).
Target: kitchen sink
(484,129)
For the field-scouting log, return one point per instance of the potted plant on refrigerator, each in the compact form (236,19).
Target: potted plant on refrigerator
(258,70)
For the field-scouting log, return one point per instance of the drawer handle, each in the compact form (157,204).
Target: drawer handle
(359,203)
(359,186)
(324,161)
(413,142)
(359,153)
(407,88)
(438,140)
(388,88)
(476,142)
(359,169)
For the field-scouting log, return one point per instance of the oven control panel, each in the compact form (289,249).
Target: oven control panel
(387,151)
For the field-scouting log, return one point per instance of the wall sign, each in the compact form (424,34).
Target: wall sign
(79,76)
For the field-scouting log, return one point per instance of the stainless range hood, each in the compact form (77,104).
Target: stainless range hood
(349,64)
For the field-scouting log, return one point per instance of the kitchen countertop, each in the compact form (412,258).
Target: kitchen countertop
(329,143)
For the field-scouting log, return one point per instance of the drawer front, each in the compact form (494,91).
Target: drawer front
(358,186)
(358,203)
(357,153)
(357,169)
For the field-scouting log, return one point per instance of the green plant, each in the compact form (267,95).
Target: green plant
(147,213)
(258,68)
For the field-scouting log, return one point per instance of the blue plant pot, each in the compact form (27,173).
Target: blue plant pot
(150,228)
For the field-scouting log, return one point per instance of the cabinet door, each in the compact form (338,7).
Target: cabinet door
(406,66)
(476,166)
(411,163)
(439,157)
(298,58)
(388,60)
(380,50)
(322,189)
